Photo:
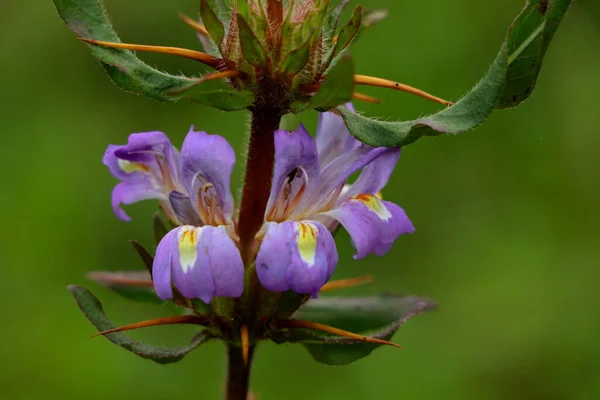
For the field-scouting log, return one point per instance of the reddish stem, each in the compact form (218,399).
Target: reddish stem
(238,374)
(259,175)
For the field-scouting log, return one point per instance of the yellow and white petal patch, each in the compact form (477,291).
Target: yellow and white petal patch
(307,242)
(188,247)
(374,204)
(129,166)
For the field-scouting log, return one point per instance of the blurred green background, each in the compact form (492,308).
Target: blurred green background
(507,216)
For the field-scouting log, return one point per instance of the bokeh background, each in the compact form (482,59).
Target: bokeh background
(507,216)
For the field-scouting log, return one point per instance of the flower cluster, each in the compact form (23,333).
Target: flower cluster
(310,197)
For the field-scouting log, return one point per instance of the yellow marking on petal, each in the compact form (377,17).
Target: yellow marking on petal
(379,195)
(188,243)
(129,166)
(375,205)
(307,242)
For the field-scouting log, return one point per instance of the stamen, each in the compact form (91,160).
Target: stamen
(176,51)
(347,283)
(384,83)
(287,190)
(194,24)
(114,279)
(209,201)
(245,343)
(182,319)
(295,323)
(367,98)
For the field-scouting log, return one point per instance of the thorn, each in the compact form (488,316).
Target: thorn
(112,279)
(384,83)
(245,343)
(176,51)
(182,319)
(211,76)
(296,323)
(346,283)
(367,98)
(194,24)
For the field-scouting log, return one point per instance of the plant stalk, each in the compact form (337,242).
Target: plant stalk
(238,373)
(258,176)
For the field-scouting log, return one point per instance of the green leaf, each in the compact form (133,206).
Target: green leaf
(88,20)
(508,82)
(225,99)
(377,317)
(346,35)
(93,310)
(251,47)
(338,87)
(212,23)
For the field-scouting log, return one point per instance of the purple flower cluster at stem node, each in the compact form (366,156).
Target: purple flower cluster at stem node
(310,197)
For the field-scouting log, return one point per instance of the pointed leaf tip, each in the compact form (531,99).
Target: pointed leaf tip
(346,35)
(212,23)
(251,47)
(509,81)
(376,317)
(338,86)
(93,310)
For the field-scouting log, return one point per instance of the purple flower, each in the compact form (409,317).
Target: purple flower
(200,258)
(310,197)
(148,166)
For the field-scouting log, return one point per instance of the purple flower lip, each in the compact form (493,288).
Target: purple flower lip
(201,262)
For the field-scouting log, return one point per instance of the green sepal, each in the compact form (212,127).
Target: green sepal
(225,99)
(338,86)
(297,59)
(251,47)
(92,308)
(159,227)
(212,23)
(88,20)
(509,81)
(346,35)
(333,19)
(377,317)
(147,258)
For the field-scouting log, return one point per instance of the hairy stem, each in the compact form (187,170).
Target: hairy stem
(238,373)
(259,175)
